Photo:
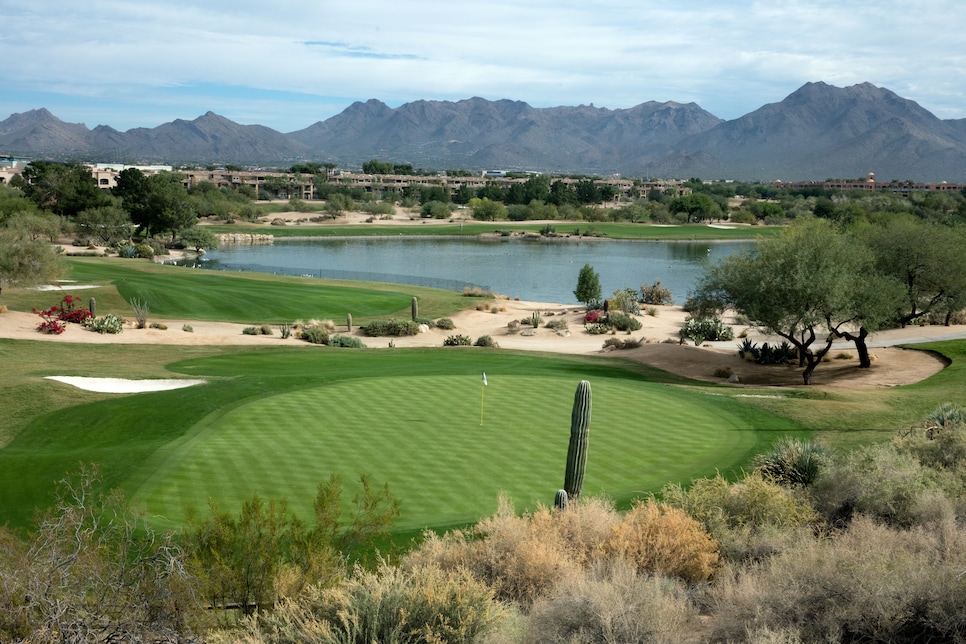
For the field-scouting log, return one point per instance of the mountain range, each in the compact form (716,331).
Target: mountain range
(818,131)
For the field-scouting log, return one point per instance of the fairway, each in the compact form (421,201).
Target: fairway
(423,435)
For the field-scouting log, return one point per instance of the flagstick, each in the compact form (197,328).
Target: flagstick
(482,399)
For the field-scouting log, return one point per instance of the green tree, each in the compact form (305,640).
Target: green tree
(169,207)
(926,258)
(807,283)
(107,224)
(25,261)
(239,559)
(588,285)
(133,189)
(696,206)
(62,188)
(486,210)
(198,238)
(375,166)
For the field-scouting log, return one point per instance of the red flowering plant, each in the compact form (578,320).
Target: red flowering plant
(55,318)
(594,316)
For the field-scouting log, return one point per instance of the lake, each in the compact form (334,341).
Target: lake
(532,270)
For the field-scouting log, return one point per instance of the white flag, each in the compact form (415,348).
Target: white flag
(484,378)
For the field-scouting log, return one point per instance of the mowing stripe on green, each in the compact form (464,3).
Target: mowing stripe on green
(422,435)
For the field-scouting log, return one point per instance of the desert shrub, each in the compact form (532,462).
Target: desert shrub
(476,291)
(663,540)
(265,330)
(882,482)
(723,372)
(445,324)
(656,294)
(871,583)
(427,321)
(612,603)
(390,327)
(388,604)
(701,330)
(625,300)
(187,328)
(623,322)
(347,341)
(457,340)
(485,341)
(251,330)
(792,462)
(617,343)
(653,311)
(315,335)
(144,251)
(939,443)
(109,323)
(158,325)
(751,500)
(557,324)
(597,328)
(523,557)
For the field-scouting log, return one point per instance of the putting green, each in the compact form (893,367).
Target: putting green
(423,435)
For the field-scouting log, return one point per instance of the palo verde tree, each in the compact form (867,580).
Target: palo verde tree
(25,261)
(588,285)
(242,560)
(926,258)
(804,285)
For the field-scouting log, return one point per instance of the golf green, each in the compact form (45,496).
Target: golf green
(446,445)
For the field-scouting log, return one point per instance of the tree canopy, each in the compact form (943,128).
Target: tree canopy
(804,285)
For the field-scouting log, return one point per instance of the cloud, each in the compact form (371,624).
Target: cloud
(176,61)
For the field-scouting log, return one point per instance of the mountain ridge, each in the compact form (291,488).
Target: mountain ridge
(817,131)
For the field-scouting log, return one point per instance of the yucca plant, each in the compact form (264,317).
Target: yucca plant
(792,462)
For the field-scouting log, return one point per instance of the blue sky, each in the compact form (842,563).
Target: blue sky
(288,64)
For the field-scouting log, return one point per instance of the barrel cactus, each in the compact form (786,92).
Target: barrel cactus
(560,500)
(579,432)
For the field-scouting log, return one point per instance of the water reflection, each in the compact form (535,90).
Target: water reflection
(538,270)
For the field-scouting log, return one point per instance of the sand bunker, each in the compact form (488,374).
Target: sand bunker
(122,386)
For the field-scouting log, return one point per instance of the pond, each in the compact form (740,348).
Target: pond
(537,270)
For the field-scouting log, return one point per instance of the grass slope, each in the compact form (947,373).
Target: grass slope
(247,298)
(278,422)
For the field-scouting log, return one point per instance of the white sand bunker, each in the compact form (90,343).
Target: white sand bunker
(122,386)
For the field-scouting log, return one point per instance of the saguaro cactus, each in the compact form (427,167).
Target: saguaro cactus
(579,431)
(93,307)
(560,500)
(415,309)
(348,322)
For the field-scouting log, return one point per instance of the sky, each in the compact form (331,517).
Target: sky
(287,65)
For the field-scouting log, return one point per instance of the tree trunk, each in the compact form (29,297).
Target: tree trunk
(865,361)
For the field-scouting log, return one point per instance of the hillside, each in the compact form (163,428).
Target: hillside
(816,132)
